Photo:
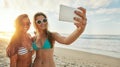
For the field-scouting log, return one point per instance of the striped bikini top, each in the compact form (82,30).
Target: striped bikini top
(23,50)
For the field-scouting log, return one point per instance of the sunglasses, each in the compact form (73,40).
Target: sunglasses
(41,21)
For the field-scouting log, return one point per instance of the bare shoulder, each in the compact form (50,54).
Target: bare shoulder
(29,34)
(54,34)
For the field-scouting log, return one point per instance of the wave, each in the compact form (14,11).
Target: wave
(107,37)
(101,50)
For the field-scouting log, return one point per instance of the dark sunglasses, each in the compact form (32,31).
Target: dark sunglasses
(40,21)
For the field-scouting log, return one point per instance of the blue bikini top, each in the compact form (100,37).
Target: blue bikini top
(46,45)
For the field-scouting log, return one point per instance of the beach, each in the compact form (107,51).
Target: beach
(73,58)
(68,58)
(4,60)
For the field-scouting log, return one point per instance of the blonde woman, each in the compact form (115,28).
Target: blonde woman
(44,39)
(19,49)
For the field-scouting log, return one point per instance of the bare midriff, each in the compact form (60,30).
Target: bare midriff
(24,60)
(44,58)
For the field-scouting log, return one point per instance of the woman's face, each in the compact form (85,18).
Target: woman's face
(41,22)
(25,24)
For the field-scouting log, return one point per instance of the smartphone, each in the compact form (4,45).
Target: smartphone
(67,13)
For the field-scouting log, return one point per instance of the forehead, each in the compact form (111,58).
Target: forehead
(40,17)
(25,19)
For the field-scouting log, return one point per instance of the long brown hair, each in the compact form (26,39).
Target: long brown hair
(47,32)
(15,41)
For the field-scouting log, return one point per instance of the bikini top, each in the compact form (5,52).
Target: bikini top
(23,50)
(47,45)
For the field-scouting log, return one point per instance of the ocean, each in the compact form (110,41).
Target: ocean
(108,45)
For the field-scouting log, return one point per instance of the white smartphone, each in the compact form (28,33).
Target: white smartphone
(67,13)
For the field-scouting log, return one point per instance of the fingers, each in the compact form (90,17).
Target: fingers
(80,22)
(81,19)
(78,19)
(82,9)
(81,13)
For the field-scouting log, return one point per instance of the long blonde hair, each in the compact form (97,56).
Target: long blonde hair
(15,41)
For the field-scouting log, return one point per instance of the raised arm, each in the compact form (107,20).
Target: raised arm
(80,23)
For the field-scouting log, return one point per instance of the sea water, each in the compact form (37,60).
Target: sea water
(99,44)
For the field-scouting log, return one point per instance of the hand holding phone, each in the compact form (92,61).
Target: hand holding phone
(67,13)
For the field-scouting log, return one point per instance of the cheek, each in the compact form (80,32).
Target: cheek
(26,28)
(46,24)
(38,26)
(42,27)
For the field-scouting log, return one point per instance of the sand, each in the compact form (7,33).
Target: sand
(68,58)
(73,58)
(4,61)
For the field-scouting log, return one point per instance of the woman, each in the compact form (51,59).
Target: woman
(44,39)
(19,49)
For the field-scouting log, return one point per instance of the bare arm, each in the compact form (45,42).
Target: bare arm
(67,40)
(80,24)
(13,61)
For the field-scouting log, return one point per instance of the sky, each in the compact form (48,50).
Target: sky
(103,15)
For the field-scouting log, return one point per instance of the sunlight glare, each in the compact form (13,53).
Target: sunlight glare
(7,19)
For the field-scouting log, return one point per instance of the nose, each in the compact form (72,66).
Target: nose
(27,25)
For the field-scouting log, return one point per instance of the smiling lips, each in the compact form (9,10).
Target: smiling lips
(25,28)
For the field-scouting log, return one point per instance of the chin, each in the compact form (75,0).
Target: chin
(25,30)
